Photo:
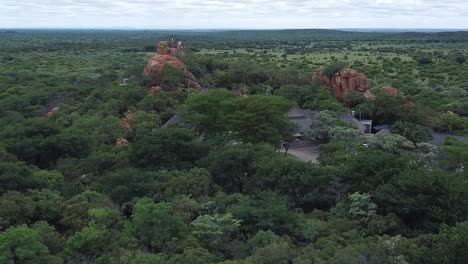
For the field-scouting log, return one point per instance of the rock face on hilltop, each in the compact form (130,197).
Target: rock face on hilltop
(166,55)
(344,81)
(170,47)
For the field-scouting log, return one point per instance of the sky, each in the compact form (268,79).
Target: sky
(226,14)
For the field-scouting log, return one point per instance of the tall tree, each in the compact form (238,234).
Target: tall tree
(156,225)
(22,245)
(259,118)
(205,110)
(166,148)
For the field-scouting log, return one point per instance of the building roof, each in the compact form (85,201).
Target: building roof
(303,119)
(438,139)
(383,132)
(380,127)
(176,120)
(365,122)
(348,118)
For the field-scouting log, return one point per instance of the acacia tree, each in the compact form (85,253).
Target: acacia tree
(259,119)
(413,132)
(326,124)
(232,166)
(252,119)
(15,209)
(451,122)
(215,231)
(425,199)
(205,110)
(157,225)
(22,244)
(361,206)
(166,148)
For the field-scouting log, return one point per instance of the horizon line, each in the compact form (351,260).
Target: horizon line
(233,28)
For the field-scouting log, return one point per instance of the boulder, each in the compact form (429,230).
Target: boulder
(390,90)
(154,89)
(52,111)
(126,120)
(409,104)
(166,55)
(170,47)
(343,81)
(121,141)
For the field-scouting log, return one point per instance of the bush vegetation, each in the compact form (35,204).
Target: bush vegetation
(99,180)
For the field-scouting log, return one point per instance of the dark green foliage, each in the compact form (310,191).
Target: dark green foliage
(333,67)
(39,142)
(24,245)
(252,119)
(192,183)
(171,77)
(413,132)
(166,148)
(47,205)
(274,253)
(14,175)
(265,211)
(325,125)
(125,184)
(304,184)
(424,60)
(75,210)
(49,237)
(204,110)
(354,99)
(193,256)
(232,166)
(460,59)
(83,184)
(89,243)
(455,154)
(451,245)
(425,199)
(144,258)
(299,94)
(450,122)
(15,209)
(258,119)
(156,225)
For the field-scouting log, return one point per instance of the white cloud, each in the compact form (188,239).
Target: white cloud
(233,14)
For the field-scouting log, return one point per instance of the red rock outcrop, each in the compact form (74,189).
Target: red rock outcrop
(166,55)
(53,111)
(343,81)
(126,121)
(409,104)
(121,141)
(154,89)
(170,47)
(390,90)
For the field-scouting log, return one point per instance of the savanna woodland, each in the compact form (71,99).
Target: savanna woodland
(108,156)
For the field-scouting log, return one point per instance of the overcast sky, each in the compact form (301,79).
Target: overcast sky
(212,14)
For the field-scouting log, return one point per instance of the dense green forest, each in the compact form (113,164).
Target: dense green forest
(90,174)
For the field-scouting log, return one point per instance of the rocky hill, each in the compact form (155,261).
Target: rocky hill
(167,55)
(344,81)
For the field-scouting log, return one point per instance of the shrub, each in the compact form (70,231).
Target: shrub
(334,67)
